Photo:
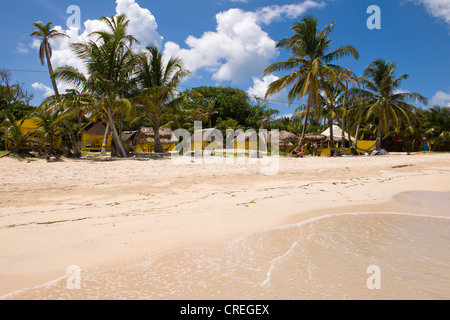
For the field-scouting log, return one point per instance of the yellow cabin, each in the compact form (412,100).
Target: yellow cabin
(92,137)
(34,141)
(143,140)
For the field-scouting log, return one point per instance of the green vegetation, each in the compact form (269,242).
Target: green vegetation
(127,90)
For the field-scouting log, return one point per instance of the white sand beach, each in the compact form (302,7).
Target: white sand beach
(99,215)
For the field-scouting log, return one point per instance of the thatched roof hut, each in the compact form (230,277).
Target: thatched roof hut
(337,134)
(147,135)
(285,137)
(128,136)
(314,136)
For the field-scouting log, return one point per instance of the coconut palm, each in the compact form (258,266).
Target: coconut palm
(45,33)
(311,61)
(268,115)
(16,140)
(207,111)
(332,96)
(110,64)
(157,82)
(382,100)
(436,122)
(49,126)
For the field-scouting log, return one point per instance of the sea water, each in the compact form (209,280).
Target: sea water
(328,257)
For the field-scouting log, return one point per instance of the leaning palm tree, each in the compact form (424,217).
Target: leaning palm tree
(311,61)
(45,33)
(110,64)
(381,98)
(157,82)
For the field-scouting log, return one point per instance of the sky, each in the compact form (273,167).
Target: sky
(232,42)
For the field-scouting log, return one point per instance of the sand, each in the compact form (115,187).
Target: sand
(90,214)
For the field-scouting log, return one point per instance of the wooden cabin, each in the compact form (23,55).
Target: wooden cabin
(35,141)
(144,140)
(92,137)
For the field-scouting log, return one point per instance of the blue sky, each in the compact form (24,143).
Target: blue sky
(231,42)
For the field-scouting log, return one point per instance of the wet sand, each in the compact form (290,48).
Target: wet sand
(152,230)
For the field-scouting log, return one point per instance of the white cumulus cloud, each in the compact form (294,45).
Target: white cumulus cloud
(142,25)
(239,49)
(291,11)
(440,99)
(437,8)
(47,92)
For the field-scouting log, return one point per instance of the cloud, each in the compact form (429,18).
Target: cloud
(42,87)
(437,8)
(440,99)
(239,48)
(21,48)
(142,25)
(259,88)
(269,14)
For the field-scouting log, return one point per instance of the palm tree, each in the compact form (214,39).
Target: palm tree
(49,126)
(381,97)
(45,33)
(436,122)
(332,95)
(157,82)
(15,138)
(207,111)
(311,62)
(110,65)
(267,116)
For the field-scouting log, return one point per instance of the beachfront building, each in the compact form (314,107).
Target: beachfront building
(35,140)
(92,137)
(144,140)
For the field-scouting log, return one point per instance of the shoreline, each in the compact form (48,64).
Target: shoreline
(199,211)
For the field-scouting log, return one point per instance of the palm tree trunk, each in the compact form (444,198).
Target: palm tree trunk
(158,146)
(379,135)
(308,108)
(105,140)
(73,141)
(332,147)
(50,70)
(115,135)
(358,127)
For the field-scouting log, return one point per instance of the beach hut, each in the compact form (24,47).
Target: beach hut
(92,137)
(205,137)
(35,141)
(144,140)
(337,134)
(315,137)
(337,138)
(127,138)
(287,140)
